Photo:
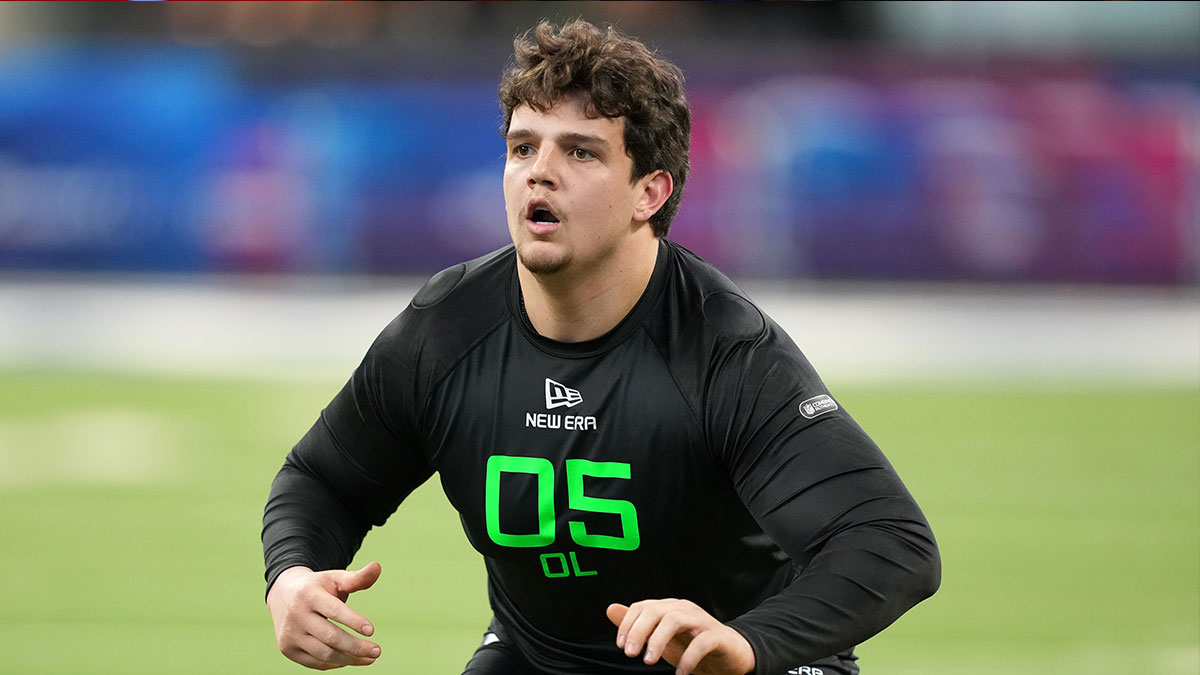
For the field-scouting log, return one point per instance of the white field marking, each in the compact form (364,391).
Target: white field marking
(1179,660)
(278,329)
(991,333)
(1117,659)
(108,446)
(319,328)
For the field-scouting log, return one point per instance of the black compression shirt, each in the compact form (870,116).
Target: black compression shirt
(691,452)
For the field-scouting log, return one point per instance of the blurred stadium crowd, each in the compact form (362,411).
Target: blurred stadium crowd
(879,141)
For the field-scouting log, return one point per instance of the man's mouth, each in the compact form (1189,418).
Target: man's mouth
(540,212)
(543,216)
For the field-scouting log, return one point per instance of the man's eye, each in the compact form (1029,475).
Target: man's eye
(523,150)
(580,153)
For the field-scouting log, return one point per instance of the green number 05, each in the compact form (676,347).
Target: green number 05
(577,469)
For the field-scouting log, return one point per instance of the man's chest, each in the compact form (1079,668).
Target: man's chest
(542,454)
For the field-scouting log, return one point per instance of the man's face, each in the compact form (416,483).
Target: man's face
(567,188)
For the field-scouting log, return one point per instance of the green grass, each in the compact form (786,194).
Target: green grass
(1069,521)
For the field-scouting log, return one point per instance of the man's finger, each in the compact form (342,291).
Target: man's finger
(631,614)
(699,648)
(336,610)
(304,658)
(333,636)
(344,582)
(616,613)
(670,624)
(317,654)
(640,627)
(362,579)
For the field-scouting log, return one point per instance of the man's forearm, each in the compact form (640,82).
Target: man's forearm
(305,524)
(862,581)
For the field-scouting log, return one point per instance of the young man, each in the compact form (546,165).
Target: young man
(653,472)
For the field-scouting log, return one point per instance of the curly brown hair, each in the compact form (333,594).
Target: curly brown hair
(617,76)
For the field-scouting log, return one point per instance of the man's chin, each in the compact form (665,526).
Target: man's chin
(537,259)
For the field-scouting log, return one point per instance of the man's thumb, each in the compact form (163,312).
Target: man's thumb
(362,579)
(616,613)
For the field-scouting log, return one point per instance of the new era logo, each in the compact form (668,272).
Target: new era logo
(560,395)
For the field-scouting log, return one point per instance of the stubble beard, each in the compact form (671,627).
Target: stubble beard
(542,265)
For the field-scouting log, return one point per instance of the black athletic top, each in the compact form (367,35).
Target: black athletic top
(691,452)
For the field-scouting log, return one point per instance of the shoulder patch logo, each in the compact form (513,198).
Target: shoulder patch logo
(560,395)
(818,405)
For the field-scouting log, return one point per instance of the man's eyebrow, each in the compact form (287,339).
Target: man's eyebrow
(518,134)
(566,138)
(576,138)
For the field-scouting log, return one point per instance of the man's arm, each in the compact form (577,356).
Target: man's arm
(349,473)
(867,552)
(827,496)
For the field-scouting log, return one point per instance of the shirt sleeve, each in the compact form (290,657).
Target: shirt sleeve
(827,496)
(350,471)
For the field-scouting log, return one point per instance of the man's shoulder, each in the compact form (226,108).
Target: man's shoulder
(480,280)
(725,310)
(456,307)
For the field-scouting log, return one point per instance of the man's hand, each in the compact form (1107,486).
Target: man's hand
(679,631)
(304,604)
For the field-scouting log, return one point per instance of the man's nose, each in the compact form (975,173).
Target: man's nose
(543,171)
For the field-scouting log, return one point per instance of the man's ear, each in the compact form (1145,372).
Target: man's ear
(656,188)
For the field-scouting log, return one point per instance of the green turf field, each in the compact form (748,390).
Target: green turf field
(1069,520)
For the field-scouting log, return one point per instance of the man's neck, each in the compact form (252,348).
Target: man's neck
(574,306)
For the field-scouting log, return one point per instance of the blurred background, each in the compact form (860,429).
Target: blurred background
(1042,142)
(981,221)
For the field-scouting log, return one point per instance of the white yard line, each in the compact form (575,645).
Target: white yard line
(101,446)
(319,328)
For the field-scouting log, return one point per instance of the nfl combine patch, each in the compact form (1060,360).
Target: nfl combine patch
(818,405)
